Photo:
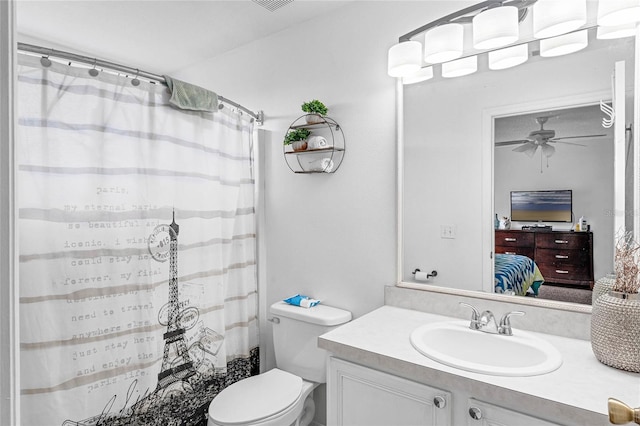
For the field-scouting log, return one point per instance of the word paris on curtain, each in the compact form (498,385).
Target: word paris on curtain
(138,295)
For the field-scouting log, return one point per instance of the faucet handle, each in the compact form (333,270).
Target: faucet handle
(505,323)
(475,315)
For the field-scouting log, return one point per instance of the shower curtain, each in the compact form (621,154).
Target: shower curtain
(137,251)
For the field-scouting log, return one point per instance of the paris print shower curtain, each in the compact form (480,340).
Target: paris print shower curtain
(136,248)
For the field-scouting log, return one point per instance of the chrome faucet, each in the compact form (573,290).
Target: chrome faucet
(475,316)
(486,321)
(505,323)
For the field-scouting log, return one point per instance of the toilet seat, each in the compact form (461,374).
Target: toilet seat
(256,398)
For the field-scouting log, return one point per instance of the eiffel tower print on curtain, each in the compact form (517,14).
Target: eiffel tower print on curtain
(177,366)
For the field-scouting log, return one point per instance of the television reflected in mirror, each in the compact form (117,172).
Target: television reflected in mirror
(542,206)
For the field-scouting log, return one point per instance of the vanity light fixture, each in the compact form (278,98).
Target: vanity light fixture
(508,57)
(444,43)
(495,27)
(404,58)
(556,17)
(612,13)
(559,24)
(422,74)
(460,67)
(564,44)
(608,33)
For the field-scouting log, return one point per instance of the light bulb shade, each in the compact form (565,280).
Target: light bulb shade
(564,44)
(609,33)
(404,58)
(508,57)
(460,67)
(444,43)
(422,74)
(495,27)
(612,13)
(555,17)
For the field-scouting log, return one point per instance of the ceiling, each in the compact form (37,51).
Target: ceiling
(160,36)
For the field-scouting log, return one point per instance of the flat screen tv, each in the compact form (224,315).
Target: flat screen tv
(542,206)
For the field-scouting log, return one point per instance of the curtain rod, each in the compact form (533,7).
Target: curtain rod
(259,116)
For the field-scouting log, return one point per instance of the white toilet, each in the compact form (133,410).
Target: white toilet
(282,396)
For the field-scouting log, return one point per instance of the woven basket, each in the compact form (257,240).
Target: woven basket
(615,330)
(602,286)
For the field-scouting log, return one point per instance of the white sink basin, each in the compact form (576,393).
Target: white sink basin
(455,344)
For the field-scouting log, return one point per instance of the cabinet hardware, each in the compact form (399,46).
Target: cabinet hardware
(274,320)
(439,402)
(561,256)
(511,240)
(509,252)
(475,413)
(620,413)
(562,242)
(560,271)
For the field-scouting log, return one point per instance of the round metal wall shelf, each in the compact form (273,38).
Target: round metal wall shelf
(325,146)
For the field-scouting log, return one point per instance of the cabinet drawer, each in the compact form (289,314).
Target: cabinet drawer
(514,239)
(565,272)
(563,241)
(558,256)
(522,251)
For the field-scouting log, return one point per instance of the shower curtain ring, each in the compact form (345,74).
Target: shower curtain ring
(93,72)
(45,61)
(135,81)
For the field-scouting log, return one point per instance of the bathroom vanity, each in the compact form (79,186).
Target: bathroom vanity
(376,377)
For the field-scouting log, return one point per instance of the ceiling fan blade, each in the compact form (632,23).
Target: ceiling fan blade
(528,149)
(548,150)
(518,142)
(567,143)
(579,137)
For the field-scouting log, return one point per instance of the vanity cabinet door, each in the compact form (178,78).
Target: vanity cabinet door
(360,396)
(483,414)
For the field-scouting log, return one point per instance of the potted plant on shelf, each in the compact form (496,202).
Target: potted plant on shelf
(297,138)
(315,110)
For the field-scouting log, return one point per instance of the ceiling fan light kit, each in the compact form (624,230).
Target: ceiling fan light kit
(559,25)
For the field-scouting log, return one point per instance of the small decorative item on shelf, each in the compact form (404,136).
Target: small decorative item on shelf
(615,318)
(297,138)
(505,223)
(315,110)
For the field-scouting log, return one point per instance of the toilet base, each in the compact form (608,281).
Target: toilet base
(300,413)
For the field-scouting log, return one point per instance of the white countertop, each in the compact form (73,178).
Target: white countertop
(380,339)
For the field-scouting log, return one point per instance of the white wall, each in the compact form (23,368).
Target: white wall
(329,236)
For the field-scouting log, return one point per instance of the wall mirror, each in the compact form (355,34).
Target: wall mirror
(454,180)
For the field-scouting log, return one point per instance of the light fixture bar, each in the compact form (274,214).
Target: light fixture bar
(476,8)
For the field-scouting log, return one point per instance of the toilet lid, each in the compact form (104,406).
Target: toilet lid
(256,397)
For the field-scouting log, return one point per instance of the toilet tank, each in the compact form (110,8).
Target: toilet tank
(295,338)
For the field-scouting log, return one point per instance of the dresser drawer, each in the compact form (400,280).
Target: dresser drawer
(558,256)
(565,272)
(522,251)
(514,239)
(562,241)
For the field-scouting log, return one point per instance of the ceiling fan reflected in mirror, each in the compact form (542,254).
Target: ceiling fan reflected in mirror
(543,138)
